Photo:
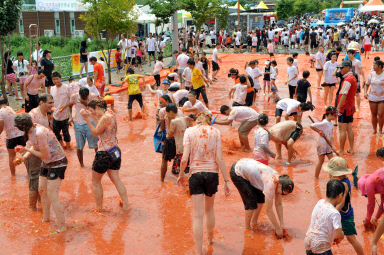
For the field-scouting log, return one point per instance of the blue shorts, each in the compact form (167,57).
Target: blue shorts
(82,133)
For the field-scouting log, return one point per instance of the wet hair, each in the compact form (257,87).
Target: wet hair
(171,107)
(335,188)
(204,117)
(192,93)
(306,74)
(84,92)
(263,119)
(44,97)
(376,59)
(351,51)
(93,59)
(83,43)
(307,53)
(331,110)
(191,62)
(166,98)
(379,63)
(243,79)
(160,58)
(99,103)
(295,54)
(3,100)
(274,62)
(290,59)
(287,184)
(23,121)
(56,74)
(192,116)
(130,71)
(19,53)
(90,79)
(224,108)
(380,152)
(34,61)
(171,78)
(306,106)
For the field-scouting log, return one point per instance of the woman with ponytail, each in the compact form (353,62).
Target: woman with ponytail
(42,143)
(325,130)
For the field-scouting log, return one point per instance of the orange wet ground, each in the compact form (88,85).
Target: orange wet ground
(159,221)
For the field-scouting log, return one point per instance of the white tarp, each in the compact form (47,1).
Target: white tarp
(372,8)
(60,5)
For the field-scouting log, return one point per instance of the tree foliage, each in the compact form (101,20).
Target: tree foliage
(289,8)
(9,13)
(163,9)
(202,11)
(285,9)
(222,14)
(108,19)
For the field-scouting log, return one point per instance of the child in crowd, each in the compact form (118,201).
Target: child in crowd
(325,227)
(312,58)
(271,49)
(303,88)
(267,77)
(273,95)
(118,60)
(292,77)
(262,152)
(325,130)
(34,67)
(274,73)
(134,91)
(187,77)
(239,91)
(139,57)
(156,71)
(295,62)
(338,170)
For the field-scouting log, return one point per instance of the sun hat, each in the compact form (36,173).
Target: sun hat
(337,166)
(354,46)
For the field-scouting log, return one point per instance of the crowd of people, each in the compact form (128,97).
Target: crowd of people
(40,137)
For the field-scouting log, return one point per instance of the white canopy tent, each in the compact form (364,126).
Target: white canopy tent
(372,8)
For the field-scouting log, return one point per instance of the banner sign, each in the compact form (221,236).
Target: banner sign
(60,5)
(98,54)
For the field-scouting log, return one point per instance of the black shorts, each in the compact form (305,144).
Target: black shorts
(132,98)
(345,119)
(182,101)
(297,133)
(48,81)
(85,60)
(279,113)
(328,84)
(12,143)
(313,45)
(53,173)
(157,79)
(33,102)
(103,162)
(213,41)
(138,60)
(203,183)
(249,98)
(215,66)
(127,60)
(201,44)
(237,104)
(151,53)
(119,67)
(254,47)
(271,54)
(169,149)
(249,194)
(302,98)
(133,61)
(319,69)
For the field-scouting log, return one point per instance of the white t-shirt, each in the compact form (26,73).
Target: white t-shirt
(238,35)
(261,138)
(254,41)
(21,66)
(175,84)
(270,47)
(129,47)
(289,105)
(198,105)
(326,127)
(123,44)
(61,97)
(329,69)
(320,58)
(151,44)
(273,72)
(240,93)
(182,60)
(255,72)
(188,77)
(213,34)
(367,40)
(292,71)
(7,115)
(237,41)
(214,55)
(92,89)
(322,230)
(261,176)
(180,94)
(376,81)
(242,114)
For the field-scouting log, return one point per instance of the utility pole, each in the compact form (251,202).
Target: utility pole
(238,14)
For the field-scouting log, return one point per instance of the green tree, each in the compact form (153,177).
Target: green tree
(221,16)
(109,18)
(202,11)
(285,9)
(163,10)
(9,13)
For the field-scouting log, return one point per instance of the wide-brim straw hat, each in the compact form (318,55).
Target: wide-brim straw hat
(337,166)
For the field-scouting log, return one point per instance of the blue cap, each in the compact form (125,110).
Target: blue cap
(274,89)
(166,82)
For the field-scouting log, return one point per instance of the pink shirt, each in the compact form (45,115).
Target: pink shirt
(39,118)
(33,84)
(61,96)
(7,115)
(201,143)
(43,137)
(369,185)
(75,100)
(108,138)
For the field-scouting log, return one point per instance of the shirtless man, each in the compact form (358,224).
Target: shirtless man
(286,133)
(177,129)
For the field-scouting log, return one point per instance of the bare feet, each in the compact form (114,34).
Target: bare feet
(45,220)
(210,238)
(62,229)
(374,132)
(351,151)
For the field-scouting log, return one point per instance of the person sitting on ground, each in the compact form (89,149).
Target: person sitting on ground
(243,114)
(259,184)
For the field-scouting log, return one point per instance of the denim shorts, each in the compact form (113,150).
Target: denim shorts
(82,134)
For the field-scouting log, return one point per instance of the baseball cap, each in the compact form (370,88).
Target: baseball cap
(166,82)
